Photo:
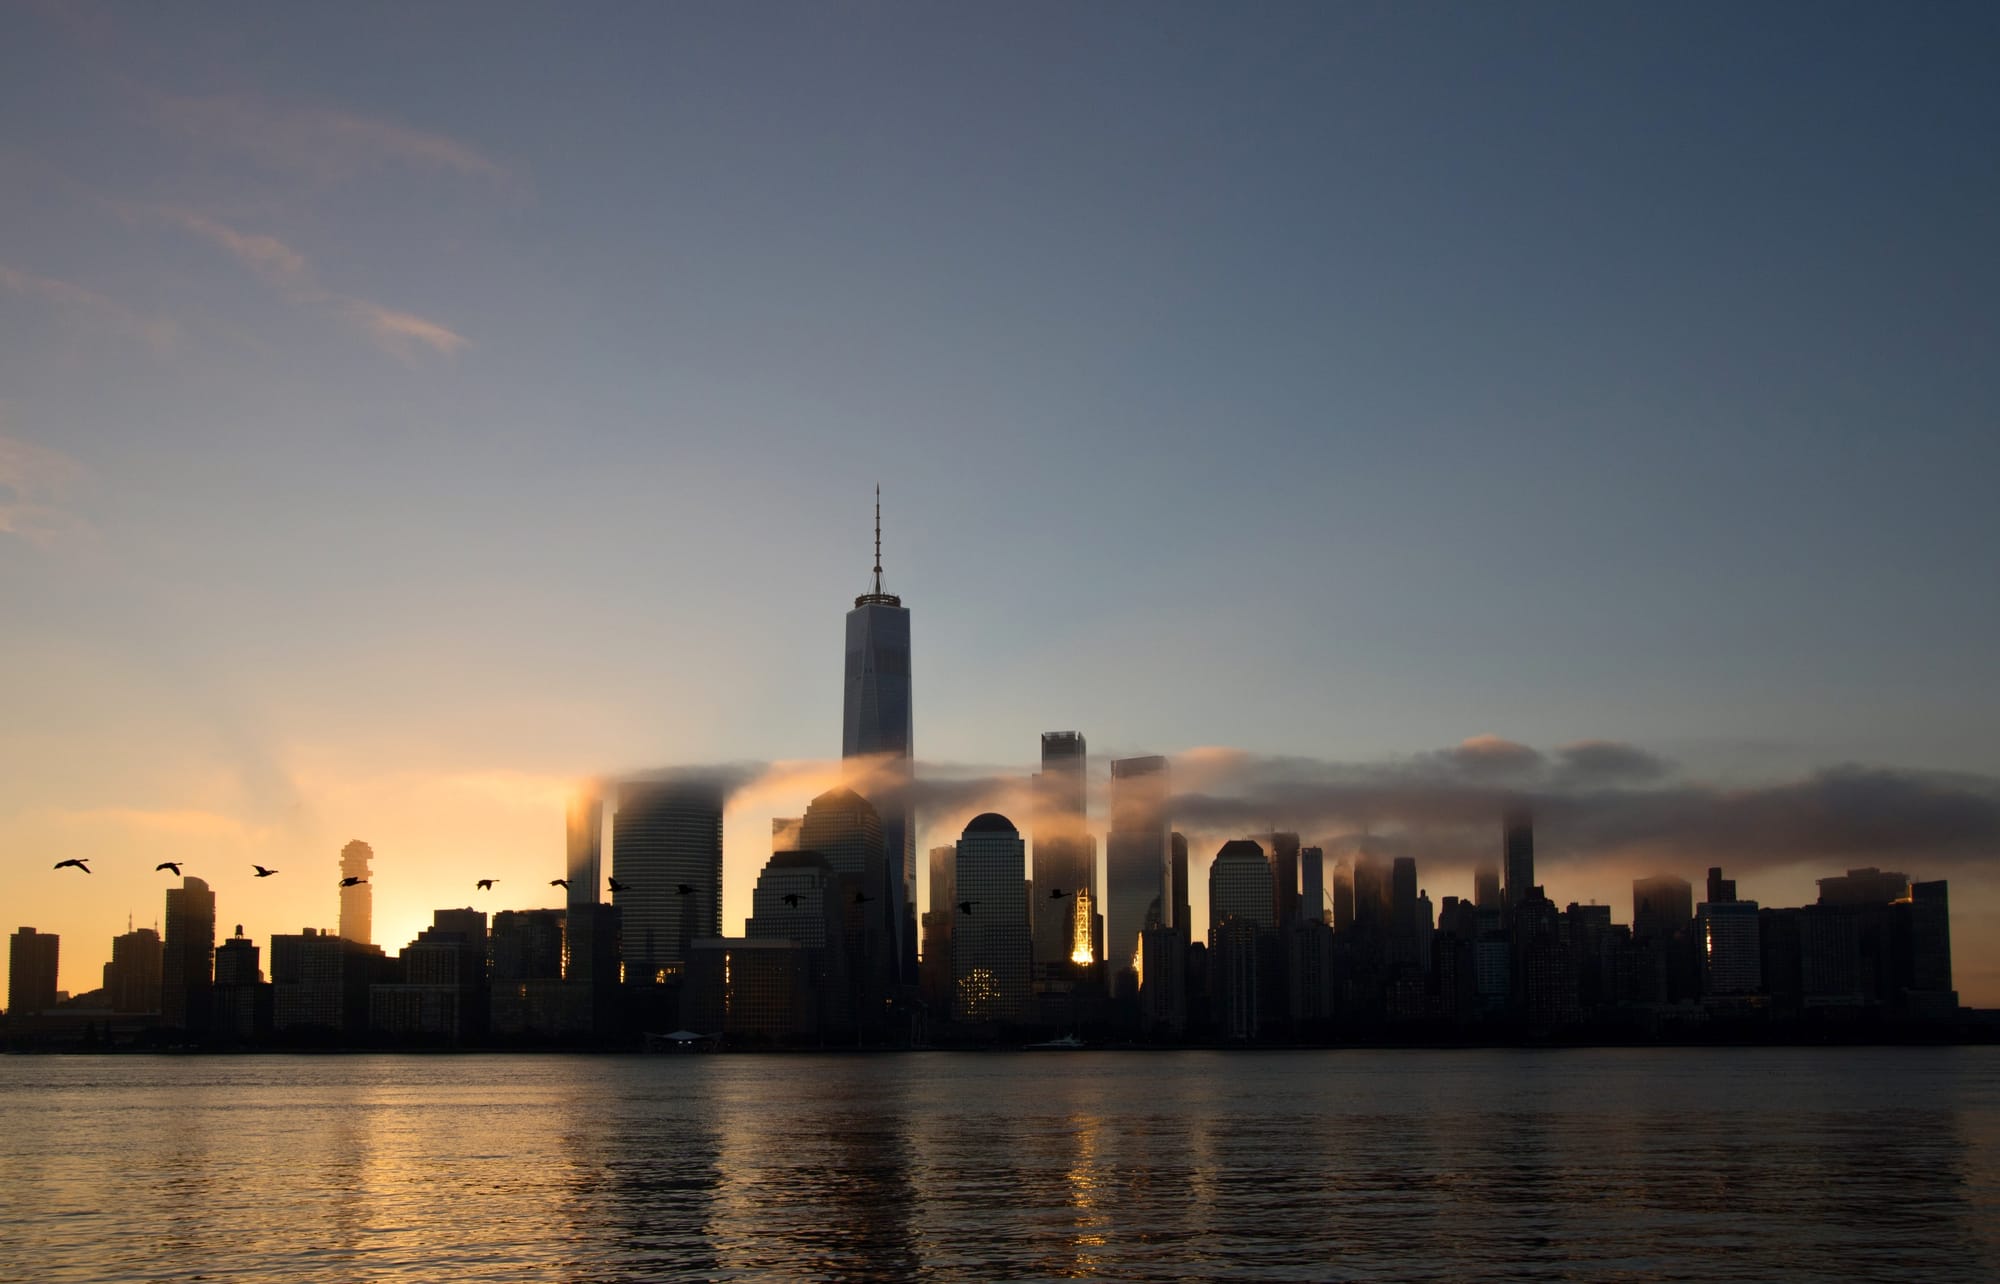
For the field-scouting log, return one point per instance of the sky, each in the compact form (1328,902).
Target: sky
(407,412)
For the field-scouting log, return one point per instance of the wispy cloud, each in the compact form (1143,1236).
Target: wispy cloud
(36,485)
(318,144)
(403,335)
(89,306)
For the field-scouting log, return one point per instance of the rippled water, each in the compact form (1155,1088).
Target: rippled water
(1654,1164)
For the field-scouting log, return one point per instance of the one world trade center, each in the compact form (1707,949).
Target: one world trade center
(875,722)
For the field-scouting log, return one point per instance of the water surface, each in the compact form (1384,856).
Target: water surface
(1654,1164)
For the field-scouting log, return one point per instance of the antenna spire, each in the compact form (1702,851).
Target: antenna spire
(878,537)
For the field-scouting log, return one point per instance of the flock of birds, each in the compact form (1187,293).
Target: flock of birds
(486,884)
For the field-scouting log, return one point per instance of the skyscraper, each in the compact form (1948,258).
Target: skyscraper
(1242,912)
(876,723)
(31,971)
(187,977)
(990,948)
(1178,875)
(845,829)
(1519,856)
(1065,853)
(1136,853)
(1284,849)
(666,853)
(1312,885)
(132,977)
(357,903)
(583,842)
(797,898)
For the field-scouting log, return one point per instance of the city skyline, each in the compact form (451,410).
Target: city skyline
(1376,416)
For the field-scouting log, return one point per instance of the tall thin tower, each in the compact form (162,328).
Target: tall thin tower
(357,902)
(875,722)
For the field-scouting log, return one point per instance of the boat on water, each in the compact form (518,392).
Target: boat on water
(1068,1043)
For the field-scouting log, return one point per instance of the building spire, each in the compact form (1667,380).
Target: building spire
(878,538)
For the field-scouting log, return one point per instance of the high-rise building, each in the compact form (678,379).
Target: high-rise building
(876,723)
(1726,936)
(1343,897)
(443,991)
(32,958)
(798,899)
(1136,854)
(1163,984)
(1403,889)
(1869,886)
(583,846)
(525,950)
(1661,907)
(1284,853)
(132,977)
(1930,938)
(990,947)
(756,989)
(943,879)
(357,903)
(1519,856)
(242,1001)
(1486,886)
(319,983)
(1065,855)
(845,828)
(187,977)
(666,854)
(1239,887)
(1312,885)
(1720,889)
(1183,920)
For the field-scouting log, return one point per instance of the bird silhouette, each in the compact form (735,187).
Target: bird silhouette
(1057,893)
(65,864)
(262,872)
(352,881)
(174,865)
(617,886)
(862,898)
(965,907)
(486,884)
(683,889)
(558,882)
(792,899)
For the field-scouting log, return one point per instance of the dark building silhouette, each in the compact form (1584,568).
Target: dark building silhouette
(1720,889)
(751,990)
(1312,885)
(989,944)
(1135,861)
(798,899)
(1486,887)
(876,722)
(357,903)
(319,984)
(32,959)
(1242,915)
(187,975)
(132,979)
(442,993)
(1518,855)
(666,835)
(1284,856)
(242,999)
(524,993)
(1065,853)
(844,828)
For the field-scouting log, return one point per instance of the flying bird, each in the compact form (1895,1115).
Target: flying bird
(174,865)
(352,881)
(965,907)
(558,882)
(862,898)
(262,872)
(486,884)
(683,889)
(65,864)
(617,886)
(1057,893)
(792,899)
